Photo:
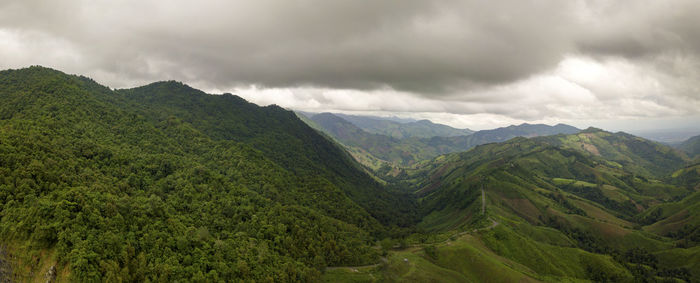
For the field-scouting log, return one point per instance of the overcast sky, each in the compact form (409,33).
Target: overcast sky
(621,65)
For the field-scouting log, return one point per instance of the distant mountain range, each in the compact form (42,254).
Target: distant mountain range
(404,129)
(409,143)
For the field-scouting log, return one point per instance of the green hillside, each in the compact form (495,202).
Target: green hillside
(633,153)
(554,202)
(167,183)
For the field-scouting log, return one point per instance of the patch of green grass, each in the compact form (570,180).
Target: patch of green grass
(410,266)
(545,235)
(548,259)
(478,264)
(577,183)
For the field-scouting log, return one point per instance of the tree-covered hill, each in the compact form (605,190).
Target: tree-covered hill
(277,133)
(167,183)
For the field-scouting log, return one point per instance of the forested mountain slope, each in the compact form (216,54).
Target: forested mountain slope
(277,133)
(167,183)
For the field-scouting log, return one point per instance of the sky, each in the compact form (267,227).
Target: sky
(631,65)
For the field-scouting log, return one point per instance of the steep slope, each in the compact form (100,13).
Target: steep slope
(679,220)
(276,132)
(549,198)
(167,183)
(691,146)
(407,151)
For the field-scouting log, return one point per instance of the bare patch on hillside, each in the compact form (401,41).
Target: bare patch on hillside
(591,148)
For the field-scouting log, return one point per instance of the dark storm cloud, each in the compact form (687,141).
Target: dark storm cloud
(420,46)
(636,29)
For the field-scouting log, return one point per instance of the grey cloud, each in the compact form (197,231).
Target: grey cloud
(420,46)
(635,29)
(470,57)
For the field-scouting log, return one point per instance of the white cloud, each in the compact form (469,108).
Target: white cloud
(580,90)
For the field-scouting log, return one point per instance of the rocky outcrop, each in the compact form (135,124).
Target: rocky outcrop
(50,275)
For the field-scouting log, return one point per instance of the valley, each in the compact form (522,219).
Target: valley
(165,182)
(575,206)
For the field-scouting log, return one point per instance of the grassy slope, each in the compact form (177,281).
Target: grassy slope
(590,202)
(680,220)
(488,256)
(634,154)
(465,259)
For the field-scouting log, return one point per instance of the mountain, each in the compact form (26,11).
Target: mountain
(559,211)
(635,154)
(371,119)
(403,129)
(382,151)
(669,136)
(691,146)
(522,130)
(368,146)
(165,182)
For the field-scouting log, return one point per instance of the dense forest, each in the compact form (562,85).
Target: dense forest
(167,183)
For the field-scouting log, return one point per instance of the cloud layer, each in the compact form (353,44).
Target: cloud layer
(532,60)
